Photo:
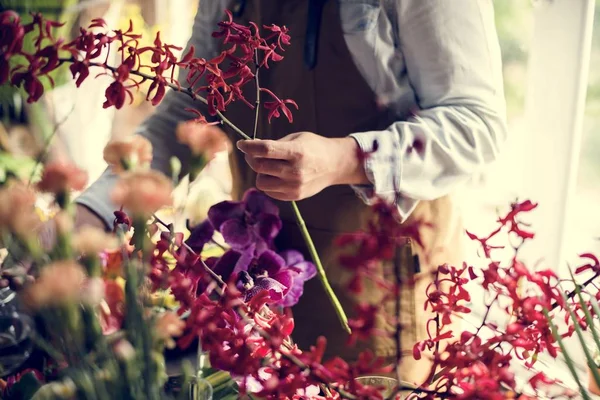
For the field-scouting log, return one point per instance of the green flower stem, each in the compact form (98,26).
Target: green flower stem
(568,359)
(139,329)
(218,378)
(320,270)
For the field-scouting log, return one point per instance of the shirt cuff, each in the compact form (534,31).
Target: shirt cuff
(383,169)
(97,198)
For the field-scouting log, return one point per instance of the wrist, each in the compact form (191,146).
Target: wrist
(84,216)
(349,169)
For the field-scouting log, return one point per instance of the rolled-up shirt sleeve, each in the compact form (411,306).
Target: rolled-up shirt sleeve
(453,63)
(160,127)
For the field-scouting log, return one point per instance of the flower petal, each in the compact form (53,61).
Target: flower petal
(286,278)
(293,295)
(246,258)
(258,203)
(224,211)
(268,226)
(275,289)
(270,262)
(200,235)
(227,263)
(292,257)
(306,270)
(236,233)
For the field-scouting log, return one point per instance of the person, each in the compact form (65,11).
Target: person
(416,84)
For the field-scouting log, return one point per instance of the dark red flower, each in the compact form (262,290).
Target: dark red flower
(278,105)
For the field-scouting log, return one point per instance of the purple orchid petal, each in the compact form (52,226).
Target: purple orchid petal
(226,264)
(293,295)
(275,289)
(236,234)
(292,257)
(200,235)
(260,246)
(306,270)
(268,226)
(287,278)
(224,211)
(270,262)
(245,260)
(258,203)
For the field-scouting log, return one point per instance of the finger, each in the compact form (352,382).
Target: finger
(283,196)
(272,183)
(273,149)
(267,166)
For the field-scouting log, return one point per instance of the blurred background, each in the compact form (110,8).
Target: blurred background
(550,51)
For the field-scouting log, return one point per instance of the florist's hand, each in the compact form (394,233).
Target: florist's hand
(302,164)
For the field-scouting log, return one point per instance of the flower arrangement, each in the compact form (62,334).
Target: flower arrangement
(92,294)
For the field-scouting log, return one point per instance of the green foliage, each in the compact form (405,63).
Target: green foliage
(592,326)
(17,166)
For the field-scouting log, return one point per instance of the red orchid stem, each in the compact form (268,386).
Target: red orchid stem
(257,94)
(173,86)
(212,273)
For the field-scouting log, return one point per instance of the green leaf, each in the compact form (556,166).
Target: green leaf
(568,358)
(588,316)
(589,357)
(19,166)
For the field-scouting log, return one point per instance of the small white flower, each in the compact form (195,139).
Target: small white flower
(124,350)
(93,291)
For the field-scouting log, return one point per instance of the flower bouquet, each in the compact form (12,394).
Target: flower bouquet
(100,309)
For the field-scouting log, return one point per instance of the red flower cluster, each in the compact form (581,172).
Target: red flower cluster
(204,77)
(241,334)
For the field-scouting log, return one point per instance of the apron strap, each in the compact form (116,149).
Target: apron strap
(315,12)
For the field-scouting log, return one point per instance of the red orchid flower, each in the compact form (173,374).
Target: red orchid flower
(278,105)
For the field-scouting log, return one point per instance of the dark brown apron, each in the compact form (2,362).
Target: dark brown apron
(334,101)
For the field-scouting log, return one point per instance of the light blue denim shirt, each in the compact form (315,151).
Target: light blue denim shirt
(436,63)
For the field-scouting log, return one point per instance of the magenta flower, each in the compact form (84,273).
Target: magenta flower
(253,222)
(304,270)
(283,276)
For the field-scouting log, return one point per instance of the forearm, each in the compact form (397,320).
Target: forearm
(160,127)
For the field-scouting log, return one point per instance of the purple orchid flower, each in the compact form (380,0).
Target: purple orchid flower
(200,235)
(282,275)
(252,222)
(305,270)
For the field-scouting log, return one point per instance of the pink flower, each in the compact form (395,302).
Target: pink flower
(168,326)
(143,192)
(61,177)
(17,213)
(58,283)
(91,241)
(124,154)
(202,139)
